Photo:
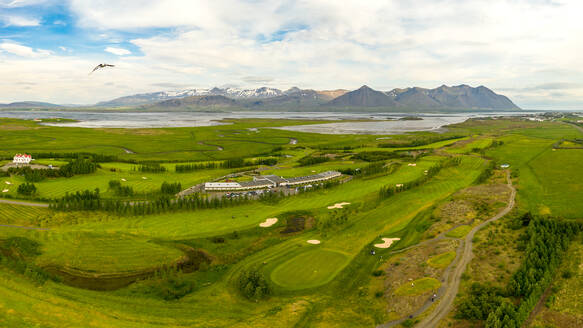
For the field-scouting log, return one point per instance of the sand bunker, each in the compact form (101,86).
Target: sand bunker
(313,241)
(5,190)
(338,205)
(387,242)
(411,164)
(268,222)
(144,178)
(7,182)
(123,179)
(399,185)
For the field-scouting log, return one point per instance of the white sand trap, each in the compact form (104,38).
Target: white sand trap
(387,242)
(313,241)
(399,185)
(5,190)
(123,179)
(268,222)
(8,182)
(144,178)
(412,164)
(338,205)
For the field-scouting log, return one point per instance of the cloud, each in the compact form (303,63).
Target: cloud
(19,21)
(256,79)
(19,3)
(118,51)
(23,51)
(170,85)
(517,46)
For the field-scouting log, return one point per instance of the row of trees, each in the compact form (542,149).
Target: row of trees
(377,156)
(372,169)
(487,173)
(151,168)
(545,241)
(390,190)
(120,190)
(311,160)
(170,188)
(235,163)
(76,166)
(419,141)
(162,204)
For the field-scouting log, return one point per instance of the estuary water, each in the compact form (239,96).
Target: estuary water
(378,123)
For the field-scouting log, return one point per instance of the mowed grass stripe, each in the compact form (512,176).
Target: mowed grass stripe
(309,269)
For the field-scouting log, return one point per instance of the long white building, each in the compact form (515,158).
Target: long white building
(270,181)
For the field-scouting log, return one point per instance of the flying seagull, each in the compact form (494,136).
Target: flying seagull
(101,66)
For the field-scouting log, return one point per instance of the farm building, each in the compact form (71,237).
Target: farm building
(270,181)
(22,159)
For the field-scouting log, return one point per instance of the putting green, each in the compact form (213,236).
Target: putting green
(418,287)
(309,269)
(441,260)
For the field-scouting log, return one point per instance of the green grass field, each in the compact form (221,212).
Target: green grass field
(323,266)
(418,286)
(459,232)
(441,260)
(327,285)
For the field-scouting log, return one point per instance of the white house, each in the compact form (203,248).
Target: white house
(22,159)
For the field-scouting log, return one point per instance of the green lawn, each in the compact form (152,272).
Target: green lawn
(441,260)
(313,285)
(459,232)
(418,286)
(309,269)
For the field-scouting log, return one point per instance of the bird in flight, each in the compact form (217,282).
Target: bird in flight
(101,66)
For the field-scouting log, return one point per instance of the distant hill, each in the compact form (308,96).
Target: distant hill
(29,104)
(153,97)
(456,97)
(292,98)
(414,99)
(194,102)
(333,93)
(363,97)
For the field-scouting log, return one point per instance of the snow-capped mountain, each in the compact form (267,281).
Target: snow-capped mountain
(153,97)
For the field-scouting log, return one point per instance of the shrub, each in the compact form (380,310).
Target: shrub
(253,285)
(170,188)
(26,189)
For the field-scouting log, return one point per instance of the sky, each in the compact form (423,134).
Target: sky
(529,50)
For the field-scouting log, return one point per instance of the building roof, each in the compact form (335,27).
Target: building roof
(256,183)
(222,185)
(273,178)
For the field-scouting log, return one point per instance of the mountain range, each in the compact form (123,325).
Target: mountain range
(456,98)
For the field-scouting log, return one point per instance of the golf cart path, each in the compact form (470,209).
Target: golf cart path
(15,202)
(446,302)
(452,276)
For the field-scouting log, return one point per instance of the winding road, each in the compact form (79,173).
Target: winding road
(15,202)
(452,276)
(446,302)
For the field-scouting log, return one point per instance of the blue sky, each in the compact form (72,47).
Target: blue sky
(527,49)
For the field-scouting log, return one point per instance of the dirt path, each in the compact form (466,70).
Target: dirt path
(576,127)
(453,281)
(14,202)
(539,305)
(22,227)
